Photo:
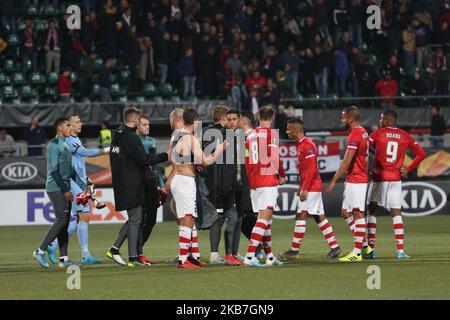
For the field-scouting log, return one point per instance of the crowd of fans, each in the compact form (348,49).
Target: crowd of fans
(254,52)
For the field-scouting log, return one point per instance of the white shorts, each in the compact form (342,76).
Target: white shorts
(387,194)
(264,198)
(354,197)
(184,193)
(313,204)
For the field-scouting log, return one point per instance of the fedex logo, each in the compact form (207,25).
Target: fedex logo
(38,205)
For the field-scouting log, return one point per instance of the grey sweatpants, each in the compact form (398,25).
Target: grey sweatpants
(230,216)
(62,209)
(130,230)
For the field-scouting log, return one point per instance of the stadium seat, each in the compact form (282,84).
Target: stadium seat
(98,64)
(51,94)
(26,93)
(10,66)
(31,10)
(123,99)
(167,91)
(13,40)
(18,78)
(52,78)
(40,25)
(4,79)
(74,76)
(95,92)
(150,90)
(193,99)
(49,10)
(175,99)
(157,99)
(8,93)
(20,25)
(37,79)
(139,99)
(116,91)
(124,76)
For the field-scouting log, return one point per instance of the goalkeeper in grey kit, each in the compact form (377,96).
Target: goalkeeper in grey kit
(59,174)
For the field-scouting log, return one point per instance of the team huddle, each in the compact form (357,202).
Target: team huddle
(136,191)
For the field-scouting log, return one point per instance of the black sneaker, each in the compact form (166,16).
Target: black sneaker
(334,253)
(196,262)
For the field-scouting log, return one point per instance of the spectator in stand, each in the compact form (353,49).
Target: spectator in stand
(270,63)
(175,55)
(52,47)
(356,20)
(416,86)
(320,14)
(365,79)
(341,73)
(320,72)
(409,48)
(254,103)
(210,71)
(233,88)
(386,88)
(105,82)
(256,82)
(270,95)
(443,36)
(235,62)
(7,144)
(281,121)
(35,137)
(422,34)
(163,58)
(340,18)
(282,85)
(65,86)
(438,128)
(105,135)
(290,61)
(439,73)
(30,46)
(187,73)
(86,73)
(146,67)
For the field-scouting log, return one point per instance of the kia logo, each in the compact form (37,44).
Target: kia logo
(287,202)
(421,199)
(19,171)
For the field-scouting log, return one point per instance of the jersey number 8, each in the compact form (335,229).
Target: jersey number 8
(254,151)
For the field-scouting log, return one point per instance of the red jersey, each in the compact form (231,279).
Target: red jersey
(307,166)
(261,158)
(358,141)
(391,145)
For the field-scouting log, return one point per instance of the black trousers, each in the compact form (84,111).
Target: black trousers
(150,210)
(62,209)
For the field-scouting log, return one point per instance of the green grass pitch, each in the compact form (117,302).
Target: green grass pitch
(425,276)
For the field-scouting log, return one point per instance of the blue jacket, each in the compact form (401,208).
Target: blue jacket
(341,64)
(187,67)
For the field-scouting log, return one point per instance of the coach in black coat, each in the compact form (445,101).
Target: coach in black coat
(128,161)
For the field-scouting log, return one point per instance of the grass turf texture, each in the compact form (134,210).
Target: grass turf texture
(425,276)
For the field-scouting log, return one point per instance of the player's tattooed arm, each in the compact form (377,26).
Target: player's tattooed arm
(349,155)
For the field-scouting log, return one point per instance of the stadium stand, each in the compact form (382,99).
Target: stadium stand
(146,40)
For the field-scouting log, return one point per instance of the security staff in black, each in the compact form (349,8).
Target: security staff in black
(128,162)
